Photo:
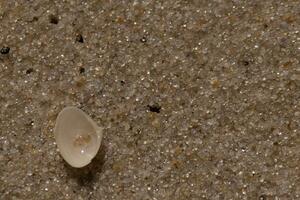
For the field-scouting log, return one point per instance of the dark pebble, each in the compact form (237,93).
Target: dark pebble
(79,38)
(4,50)
(53,19)
(81,70)
(29,71)
(154,108)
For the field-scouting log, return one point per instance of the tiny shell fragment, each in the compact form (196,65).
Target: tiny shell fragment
(77,136)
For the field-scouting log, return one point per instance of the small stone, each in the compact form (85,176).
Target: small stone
(81,70)
(5,50)
(79,38)
(29,71)
(155,107)
(245,62)
(34,19)
(122,82)
(143,39)
(262,197)
(53,19)
(215,83)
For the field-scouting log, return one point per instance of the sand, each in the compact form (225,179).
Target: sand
(199,99)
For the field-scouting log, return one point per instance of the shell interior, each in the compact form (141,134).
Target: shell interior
(77,136)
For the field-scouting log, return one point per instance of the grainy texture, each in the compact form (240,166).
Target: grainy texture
(199,99)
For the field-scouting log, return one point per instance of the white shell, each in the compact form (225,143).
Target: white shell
(77,136)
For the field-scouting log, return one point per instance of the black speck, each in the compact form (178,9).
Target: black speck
(53,19)
(266,25)
(188,54)
(276,143)
(245,62)
(154,108)
(29,71)
(5,50)
(79,38)
(143,39)
(81,70)
(34,19)
(122,82)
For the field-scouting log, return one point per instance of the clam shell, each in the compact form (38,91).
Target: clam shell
(77,136)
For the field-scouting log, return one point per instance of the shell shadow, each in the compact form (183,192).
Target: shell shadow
(85,176)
